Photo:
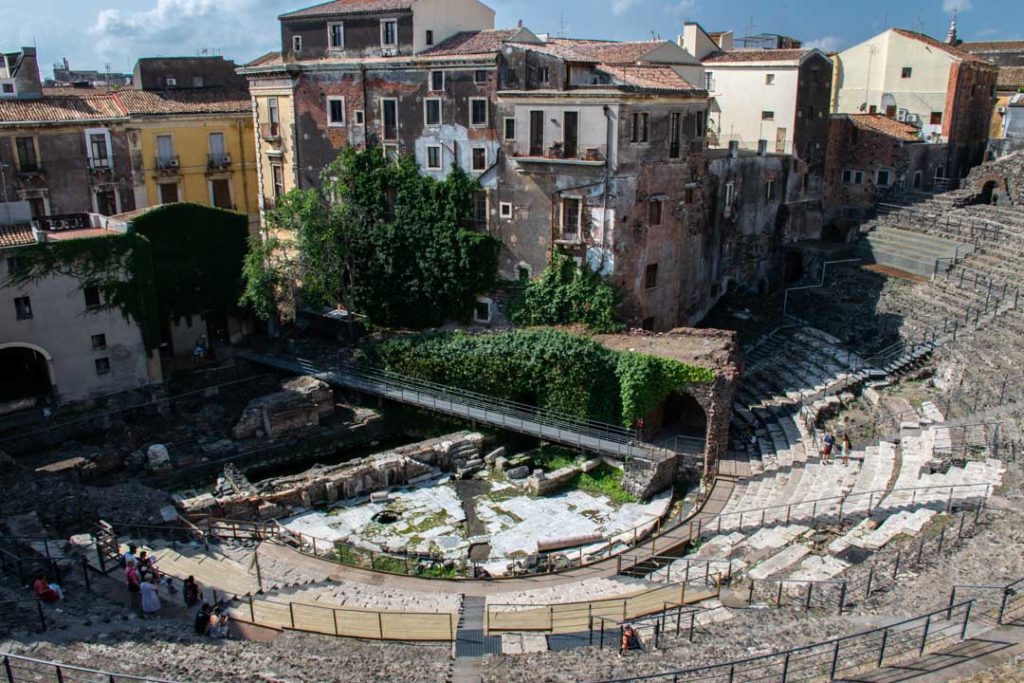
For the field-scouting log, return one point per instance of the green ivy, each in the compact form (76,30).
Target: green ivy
(549,369)
(119,266)
(568,294)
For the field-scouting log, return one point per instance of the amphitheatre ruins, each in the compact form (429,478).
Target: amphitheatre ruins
(360,519)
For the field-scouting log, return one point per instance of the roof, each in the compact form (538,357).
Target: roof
(651,78)
(952,51)
(877,123)
(266,60)
(184,101)
(1010,77)
(16,235)
(61,108)
(326,9)
(994,46)
(610,52)
(471,43)
(754,55)
(79,234)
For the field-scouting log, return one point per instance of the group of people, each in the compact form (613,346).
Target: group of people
(143,580)
(212,620)
(830,446)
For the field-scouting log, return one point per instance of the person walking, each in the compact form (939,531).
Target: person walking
(131,576)
(845,449)
(826,450)
(150,597)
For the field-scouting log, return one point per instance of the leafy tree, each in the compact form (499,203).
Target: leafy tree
(568,294)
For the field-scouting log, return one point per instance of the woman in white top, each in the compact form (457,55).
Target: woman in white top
(150,598)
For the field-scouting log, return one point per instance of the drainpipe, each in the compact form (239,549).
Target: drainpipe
(366,107)
(609,140)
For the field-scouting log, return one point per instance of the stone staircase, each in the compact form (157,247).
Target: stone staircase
(906,250)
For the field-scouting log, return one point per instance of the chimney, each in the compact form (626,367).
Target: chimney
(762,148)
(734,149)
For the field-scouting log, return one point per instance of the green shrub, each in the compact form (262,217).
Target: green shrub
(567,294)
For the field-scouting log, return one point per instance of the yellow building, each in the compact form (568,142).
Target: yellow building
(192,145)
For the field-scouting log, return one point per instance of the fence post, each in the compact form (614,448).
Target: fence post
(967,617)
(871,577)
(842,598)
(42,618)
(835,661)
(693,623)
(896,567)
(85,574)
(380,624)
(920,550)
(7,669)
(785,668)
(252,611)
(942,539)
(1002,604)
(881,652)
(924,638)
(778,597)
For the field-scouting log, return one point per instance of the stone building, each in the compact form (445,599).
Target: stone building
(1006,134)
(57,339)
(91,150)
(942,90)
(872,156)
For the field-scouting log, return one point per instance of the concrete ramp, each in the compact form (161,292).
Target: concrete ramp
(909,251)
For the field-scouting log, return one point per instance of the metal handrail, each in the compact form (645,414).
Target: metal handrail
(59,669)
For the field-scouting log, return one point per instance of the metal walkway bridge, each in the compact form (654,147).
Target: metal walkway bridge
(585,435)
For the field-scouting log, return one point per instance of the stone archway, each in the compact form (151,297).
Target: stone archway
(26,371)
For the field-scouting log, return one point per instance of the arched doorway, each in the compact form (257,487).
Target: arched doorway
(988,193)
(682,415)
(24,373)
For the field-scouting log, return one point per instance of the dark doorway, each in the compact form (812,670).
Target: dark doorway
(570,135)
(683,416)
(536,133)
(988,193)
(24,373)
(793,264)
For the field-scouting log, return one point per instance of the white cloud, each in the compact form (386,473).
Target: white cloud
(681,7)
(825,43)
(183,27)
(620,7)
(948,6)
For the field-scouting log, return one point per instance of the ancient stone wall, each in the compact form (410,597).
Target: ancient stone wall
(301,403)
(1007,173)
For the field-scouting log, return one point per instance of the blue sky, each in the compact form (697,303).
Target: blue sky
(93,33)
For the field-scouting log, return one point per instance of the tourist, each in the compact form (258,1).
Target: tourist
(845,449)
(219,623)
(146,566)
(150,597)
(131,575)
(202,621)
(192,591)
(46,591)
(129,555)
(630,640)
(826,450)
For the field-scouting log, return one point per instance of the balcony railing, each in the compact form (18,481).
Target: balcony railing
(219,161)
(167,164)
(100,164)
(270,131)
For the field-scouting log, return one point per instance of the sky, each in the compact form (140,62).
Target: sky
(92,34)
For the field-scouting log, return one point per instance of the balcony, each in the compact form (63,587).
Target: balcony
(30,171)
(271,132)
(167,165)
(557,154)
(101,166)
(218,162)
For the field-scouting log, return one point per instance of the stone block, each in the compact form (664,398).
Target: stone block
(500,464)
(521,472)
(158,459)
(491,457)
(379,496)
(591,465)
(269,511)
(872,396)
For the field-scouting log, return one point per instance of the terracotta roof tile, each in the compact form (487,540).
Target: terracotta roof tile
(877,123)
(1010,77)
(349,7)
(79,234)
(198,101)
(939,45)
(782,55)
(16,236)
(611,52)
(652,78)
(471,43)
(61,108)
(994,46)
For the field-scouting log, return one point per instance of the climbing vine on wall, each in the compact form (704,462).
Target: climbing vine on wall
(119,266)
(550,369)
(568,294)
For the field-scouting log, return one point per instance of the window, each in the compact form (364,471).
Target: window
(524,272)
(99,150)
(170,82)
(689,195)
(8,88)
(92,297)
(699,124)
(197,81)
(13,265)
(164,151)
(482,311)
(296,43)
(274,115)
(106,202)
(936,118)
(336,111)
(99,342)
(432,111)
(730,192)
(510,128)
(769,79)
(654,212)
(480,209)
(38,206)
(102,366)
(27,154)
(651,276)
(477,111)
(480,76)
(390,109)
(430,37)
(437,80)
(388,32)
(907,72)
(571,208)
(168,193)
(767,116)
(882,177)
(434,158)
(544,74)
(23,308)
(770,190)
(709,81)
(479,158)
(336,36)
(220,193)
(505,209)
(673,135)
(217,151)
(851,177)
(847,176)
(639,132)
(360,117)
(277,173)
